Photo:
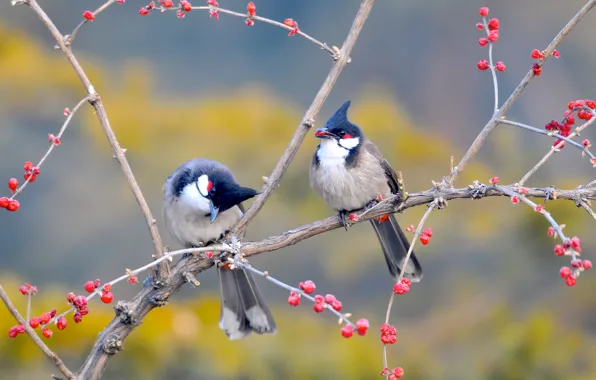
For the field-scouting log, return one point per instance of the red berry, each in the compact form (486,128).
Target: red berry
(80,301)
(61,323)
(494,180)
(307,286)
(53,313)
(106,287)
(12,332)
(565,272)
(559,250)
(90,287)
(107,297)
(88,15)
(576,264)
(249,22)
(400,288)
(4,202)
(151,5)
(84,310)
(570,105)
(329,298)
(34,322)
(483,11)
(251,8)
(13,183)
(387,329)
(398,372)
(493,24)
(500,66)
(213,3)
(336,305)
(70,297)
(579,103)
(347,331)
(586,143)
(144,11)
(551,231)
(537,69)
(294,299)
(13,205)
(575,242)
(428,231)
(45,318)
(514,199)
(570,281)
(591,104)
(410,228)
(536,54)
(362,326)
(24,290)
(47,332)
(556,54)
(406,281)
(570,119)
(318,307)
(133,280)
(425,239)
(66,113)
(187,7)
(538,208)
(493,36)
(77,317)
(482,42)
(289,22)
(479,26)
(388,339)
(319,298)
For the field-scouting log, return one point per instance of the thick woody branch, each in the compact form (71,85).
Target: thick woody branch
(105,124)
(387,206)
(308,119)
(36,339)
(494,121)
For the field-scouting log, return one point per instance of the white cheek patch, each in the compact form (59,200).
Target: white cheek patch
(203,185)
(349,143)
(330,150)
(192,198)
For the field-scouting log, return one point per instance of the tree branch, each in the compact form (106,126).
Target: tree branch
(308,118)
(105,124)
(36,339)
(494,121)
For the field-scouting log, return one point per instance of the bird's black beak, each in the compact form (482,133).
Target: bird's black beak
(213,210)
(323,133)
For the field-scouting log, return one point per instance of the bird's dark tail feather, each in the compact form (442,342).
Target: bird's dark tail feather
(243,308)
(395,247)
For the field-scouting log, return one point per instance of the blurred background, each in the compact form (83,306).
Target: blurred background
(491,305)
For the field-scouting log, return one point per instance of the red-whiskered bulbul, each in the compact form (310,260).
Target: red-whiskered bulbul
(349,172)
(202,202)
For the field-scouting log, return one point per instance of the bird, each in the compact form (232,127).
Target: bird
(349,173)
(201,202)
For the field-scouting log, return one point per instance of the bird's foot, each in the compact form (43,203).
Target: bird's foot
(371,204)
(343,219)
(200,245)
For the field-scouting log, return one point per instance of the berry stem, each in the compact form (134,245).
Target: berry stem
(68,40)
(430,208)
(28,307)
(544,213)
(322,45)
(554,149)
(550,134)
(281,284)
(493,70)
(52,145)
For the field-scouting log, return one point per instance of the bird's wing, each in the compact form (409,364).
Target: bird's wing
(390,173)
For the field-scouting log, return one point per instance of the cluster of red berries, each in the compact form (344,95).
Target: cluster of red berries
(28,289)
(426,234)
(361,327)
(53,139)
(106,291)
(388,334)
(144,11)
(402,286)
(492,35)
(584,110)
(251,10)
(80,305)
(292,24)
(568,247)
(537,54)
(44,320)
(395,373)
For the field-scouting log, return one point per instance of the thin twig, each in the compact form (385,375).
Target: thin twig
(36,339)
(549,134)
(265,20)
(553,150)
(266,276)
(52,145)
(493,70)
(70,37)
(105,124)
(308,118)
(28,307)
(430,208)
(586,206)
(494,121)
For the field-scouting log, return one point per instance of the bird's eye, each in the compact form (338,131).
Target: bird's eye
(212,190)
(341,134)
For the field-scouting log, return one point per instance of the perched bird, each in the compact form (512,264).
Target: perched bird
(202,202)
(349,172)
